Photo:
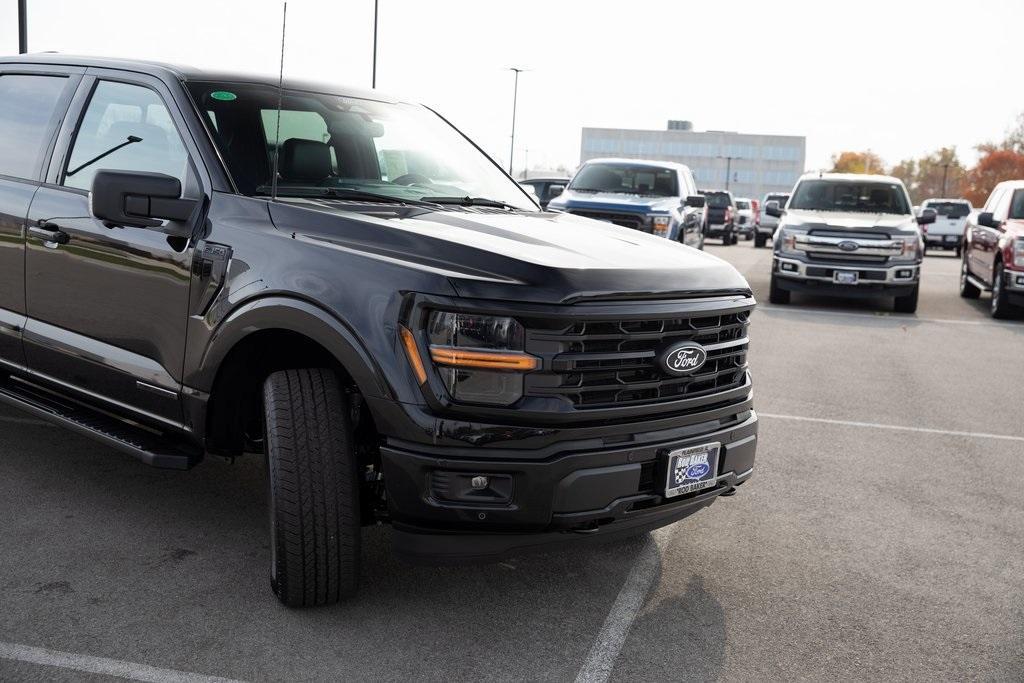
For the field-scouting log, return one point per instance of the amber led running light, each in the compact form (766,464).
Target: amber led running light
(483,360)
(412,353)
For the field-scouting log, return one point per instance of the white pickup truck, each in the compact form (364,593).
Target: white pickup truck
(766,224)
(950,222)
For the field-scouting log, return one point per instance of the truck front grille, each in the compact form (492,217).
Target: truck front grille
(606,363)
(626,220)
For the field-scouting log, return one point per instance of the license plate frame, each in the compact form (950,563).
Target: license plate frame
(700,461)
(845,277)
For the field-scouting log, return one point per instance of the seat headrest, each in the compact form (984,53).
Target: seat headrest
(305,160)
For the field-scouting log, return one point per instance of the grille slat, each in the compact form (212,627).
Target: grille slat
(626,220)
(608,363)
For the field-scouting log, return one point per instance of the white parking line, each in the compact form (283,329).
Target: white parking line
(597,667)
(875,425)
(888,317)
(102,665)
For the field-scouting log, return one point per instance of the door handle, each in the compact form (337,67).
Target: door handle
(49,232)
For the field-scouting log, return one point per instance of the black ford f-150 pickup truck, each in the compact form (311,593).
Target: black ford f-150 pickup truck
(347,285)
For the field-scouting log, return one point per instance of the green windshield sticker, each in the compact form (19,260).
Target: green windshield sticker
(223,95)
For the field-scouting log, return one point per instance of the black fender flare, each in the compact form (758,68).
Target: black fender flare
(299,316)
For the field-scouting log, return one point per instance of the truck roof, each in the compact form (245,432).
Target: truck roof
(638,162)
(179,72)
(852,177)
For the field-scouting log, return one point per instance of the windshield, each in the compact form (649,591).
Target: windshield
(718,200)
(742,204)
(842,195)
(627,179)
(337,146)
(950,209)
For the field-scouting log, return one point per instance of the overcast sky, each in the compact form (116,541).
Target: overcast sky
(898,78)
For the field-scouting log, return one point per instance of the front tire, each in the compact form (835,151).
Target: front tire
(908,303)
(776,294)
(1001,306)
(314,488)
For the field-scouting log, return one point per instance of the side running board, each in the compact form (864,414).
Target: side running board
(148,446)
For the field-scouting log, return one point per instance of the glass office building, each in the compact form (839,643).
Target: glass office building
(749,165)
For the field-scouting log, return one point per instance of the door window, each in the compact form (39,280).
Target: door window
(128,128)
(28,104)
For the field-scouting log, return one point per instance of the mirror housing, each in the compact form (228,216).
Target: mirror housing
(140,200)
(927,217)
(987,220)
(772,208)
(697,201)
(555,191)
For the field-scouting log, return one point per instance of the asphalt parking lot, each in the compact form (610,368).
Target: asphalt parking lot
(881,538)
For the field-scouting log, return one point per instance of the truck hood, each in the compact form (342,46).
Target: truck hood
(854,221)
(612,201)
(524,256)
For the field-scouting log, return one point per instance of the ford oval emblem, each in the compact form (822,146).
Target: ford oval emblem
(682,359)
(848,245)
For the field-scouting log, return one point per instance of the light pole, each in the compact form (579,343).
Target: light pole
(22,26)
(374,81)
(728,168)
(515,97)
(945,172)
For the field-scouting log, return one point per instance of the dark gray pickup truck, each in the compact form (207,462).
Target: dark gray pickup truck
(195,263)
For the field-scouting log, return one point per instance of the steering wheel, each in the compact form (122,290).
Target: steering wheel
(411,179)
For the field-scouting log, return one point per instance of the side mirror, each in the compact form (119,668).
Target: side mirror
(555,191)
(772,209)
(987,220)
(696,201)
(927,216)
(140,200)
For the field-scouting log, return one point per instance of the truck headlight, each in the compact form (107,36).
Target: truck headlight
(479,358)
(787,240)
(1018,252)
(910,248)
(661,225)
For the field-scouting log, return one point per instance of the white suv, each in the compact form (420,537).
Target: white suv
(950,222)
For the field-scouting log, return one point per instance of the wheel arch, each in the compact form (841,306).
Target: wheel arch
(262,337)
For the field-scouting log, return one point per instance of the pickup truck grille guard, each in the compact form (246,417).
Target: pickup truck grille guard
(604,363)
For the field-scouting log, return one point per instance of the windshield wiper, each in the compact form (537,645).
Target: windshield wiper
(337,193)
(470,201)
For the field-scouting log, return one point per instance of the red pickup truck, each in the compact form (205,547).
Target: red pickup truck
(993,255)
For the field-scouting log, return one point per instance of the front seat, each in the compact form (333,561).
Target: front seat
(305,161)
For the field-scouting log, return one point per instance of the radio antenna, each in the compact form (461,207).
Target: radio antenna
(280,97)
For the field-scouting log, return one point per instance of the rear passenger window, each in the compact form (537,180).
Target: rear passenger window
(128,128)
(28,114)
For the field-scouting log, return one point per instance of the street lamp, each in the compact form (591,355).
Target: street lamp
(728,168)
(515,97)
(945,172)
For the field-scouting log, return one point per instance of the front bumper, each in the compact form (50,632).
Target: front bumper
(940,241)
(585,493)
(795,275)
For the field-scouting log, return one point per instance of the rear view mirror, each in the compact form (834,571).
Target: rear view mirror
(555,191)
(987,220)
(139,199)
(927,216)
(695,200)
(772,209)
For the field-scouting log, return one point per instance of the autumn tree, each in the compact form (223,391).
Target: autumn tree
(857,162)
(995,165)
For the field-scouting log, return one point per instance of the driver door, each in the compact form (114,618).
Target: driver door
(107,308)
